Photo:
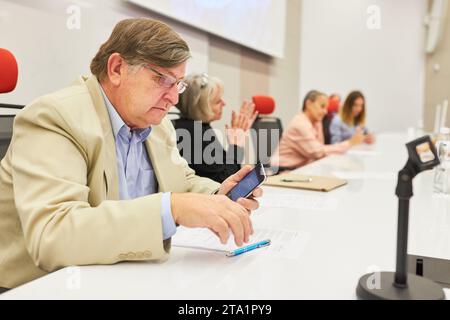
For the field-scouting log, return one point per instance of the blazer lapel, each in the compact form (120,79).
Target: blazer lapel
(109,153)
(155,147)
(169,166)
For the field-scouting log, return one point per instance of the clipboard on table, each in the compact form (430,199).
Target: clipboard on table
(307,182)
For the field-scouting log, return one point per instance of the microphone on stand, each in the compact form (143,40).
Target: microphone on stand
(401,285)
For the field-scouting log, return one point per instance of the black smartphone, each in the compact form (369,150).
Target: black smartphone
(251,181)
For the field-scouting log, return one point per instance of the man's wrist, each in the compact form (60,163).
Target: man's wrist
(167,217)
(174,206)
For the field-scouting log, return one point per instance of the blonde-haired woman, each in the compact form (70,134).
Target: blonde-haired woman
(201,104)
(351,119)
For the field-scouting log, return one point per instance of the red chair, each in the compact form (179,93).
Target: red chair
(267,129)
(8,71)
(333,104)
(8,75)
(8,81)
(264,104)
(333,108)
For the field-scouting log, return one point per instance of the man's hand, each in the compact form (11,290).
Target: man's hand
(249,203)
(216,212)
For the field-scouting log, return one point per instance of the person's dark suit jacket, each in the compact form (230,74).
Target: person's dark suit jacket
(222,165)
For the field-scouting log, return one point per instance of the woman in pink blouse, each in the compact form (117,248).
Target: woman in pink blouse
(303,142)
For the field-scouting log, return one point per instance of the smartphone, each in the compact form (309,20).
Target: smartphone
(251,181)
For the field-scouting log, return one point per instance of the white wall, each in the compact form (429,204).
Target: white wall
(339,53)
(51,56)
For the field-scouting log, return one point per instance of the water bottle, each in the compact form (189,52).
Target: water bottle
(442,171)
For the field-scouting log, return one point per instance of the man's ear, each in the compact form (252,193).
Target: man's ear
(115,69)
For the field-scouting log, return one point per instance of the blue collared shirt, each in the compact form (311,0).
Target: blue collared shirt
(340,131)
(135,171)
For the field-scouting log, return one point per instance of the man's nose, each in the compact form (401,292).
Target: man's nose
(173,95)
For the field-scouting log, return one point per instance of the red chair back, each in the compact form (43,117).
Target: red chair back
(264,104)
(8,71)
(333,105)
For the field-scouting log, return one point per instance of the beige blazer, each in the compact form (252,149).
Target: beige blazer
(59,198)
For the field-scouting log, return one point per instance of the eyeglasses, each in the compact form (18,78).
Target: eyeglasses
(167,81)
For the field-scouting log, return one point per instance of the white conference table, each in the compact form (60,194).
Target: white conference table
(350,231)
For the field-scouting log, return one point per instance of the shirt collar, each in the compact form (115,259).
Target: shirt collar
(117,123)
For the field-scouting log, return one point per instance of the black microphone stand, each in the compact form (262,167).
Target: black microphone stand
(401,285)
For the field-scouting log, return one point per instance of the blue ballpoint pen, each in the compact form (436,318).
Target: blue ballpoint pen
(250,247)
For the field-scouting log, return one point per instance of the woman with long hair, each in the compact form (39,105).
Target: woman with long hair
(351,119)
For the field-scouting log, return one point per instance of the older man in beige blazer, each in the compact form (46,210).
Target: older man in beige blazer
(60,203)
